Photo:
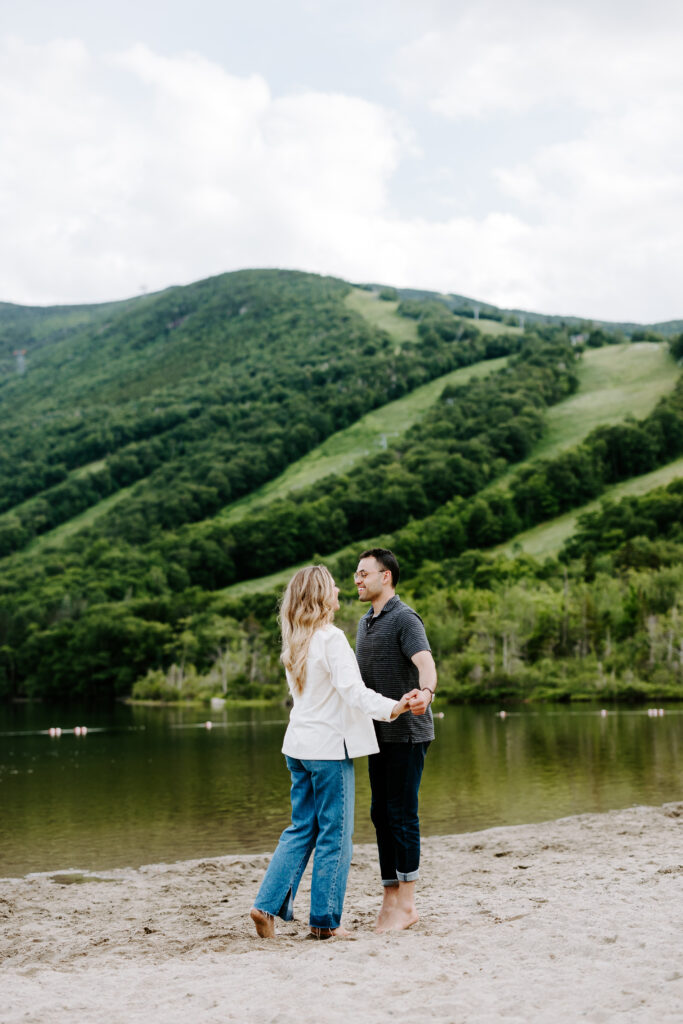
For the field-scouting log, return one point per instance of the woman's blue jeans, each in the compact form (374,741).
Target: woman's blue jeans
(322,819)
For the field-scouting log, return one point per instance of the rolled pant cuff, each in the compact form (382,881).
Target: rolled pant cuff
(389,883)
(407,876)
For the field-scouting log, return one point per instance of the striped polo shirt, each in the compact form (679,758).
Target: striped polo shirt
(385,643)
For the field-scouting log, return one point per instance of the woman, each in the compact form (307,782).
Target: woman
(329,724)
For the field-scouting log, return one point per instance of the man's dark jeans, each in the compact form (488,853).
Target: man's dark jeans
(395,774)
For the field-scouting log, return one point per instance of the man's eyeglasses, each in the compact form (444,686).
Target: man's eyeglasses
(364,573)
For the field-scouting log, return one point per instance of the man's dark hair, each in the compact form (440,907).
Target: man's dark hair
(387,559)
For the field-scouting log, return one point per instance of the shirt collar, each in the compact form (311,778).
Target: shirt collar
(391,603)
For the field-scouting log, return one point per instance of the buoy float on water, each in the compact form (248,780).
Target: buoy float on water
(603,713)
(208,725)
(80,730)
(502,714)
(55,731)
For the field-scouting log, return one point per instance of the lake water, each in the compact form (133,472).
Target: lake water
(151,784)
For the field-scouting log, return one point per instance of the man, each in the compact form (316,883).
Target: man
(395,658)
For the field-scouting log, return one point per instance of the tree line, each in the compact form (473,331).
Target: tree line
(578,628)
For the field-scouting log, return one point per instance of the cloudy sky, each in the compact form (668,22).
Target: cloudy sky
(526,153)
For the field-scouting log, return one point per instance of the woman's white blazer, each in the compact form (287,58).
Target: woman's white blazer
(336,708)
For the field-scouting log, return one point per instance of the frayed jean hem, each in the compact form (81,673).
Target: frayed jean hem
(266,912)
(324,921)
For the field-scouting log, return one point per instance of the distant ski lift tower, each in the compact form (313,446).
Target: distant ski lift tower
(20,354)
(476,312)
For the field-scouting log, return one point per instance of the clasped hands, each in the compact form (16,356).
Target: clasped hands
(416,701)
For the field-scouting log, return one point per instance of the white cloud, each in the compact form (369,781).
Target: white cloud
(144,169)
(198,171)
(500,57)
(603,207)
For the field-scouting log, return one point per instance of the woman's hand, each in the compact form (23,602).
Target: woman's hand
(402,705)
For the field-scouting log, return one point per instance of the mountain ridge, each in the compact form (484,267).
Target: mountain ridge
(163,410)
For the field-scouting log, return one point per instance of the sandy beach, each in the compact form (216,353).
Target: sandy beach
(579,919)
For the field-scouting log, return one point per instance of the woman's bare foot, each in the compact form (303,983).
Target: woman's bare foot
(330,933)
(265,923)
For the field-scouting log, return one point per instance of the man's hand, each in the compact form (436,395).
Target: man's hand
(419,701)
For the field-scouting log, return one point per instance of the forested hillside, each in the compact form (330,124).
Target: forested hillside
(135,429)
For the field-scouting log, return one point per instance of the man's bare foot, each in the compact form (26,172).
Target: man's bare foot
(398,908)
(396,919)
(330,933)
(265,923)
(387,910)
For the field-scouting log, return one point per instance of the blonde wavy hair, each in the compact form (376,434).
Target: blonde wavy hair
(307,605)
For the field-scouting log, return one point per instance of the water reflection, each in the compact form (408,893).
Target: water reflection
(150,785)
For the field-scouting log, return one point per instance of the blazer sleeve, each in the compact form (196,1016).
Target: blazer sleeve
(346,679)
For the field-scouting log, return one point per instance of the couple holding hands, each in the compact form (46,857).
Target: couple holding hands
(335,695)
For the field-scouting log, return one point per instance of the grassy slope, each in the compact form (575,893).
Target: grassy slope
(614,382)
(490,326)
(55,538)
(383,314)
(264,584)
(365,437)
(547,539)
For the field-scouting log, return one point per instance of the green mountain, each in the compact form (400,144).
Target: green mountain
(160,457)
